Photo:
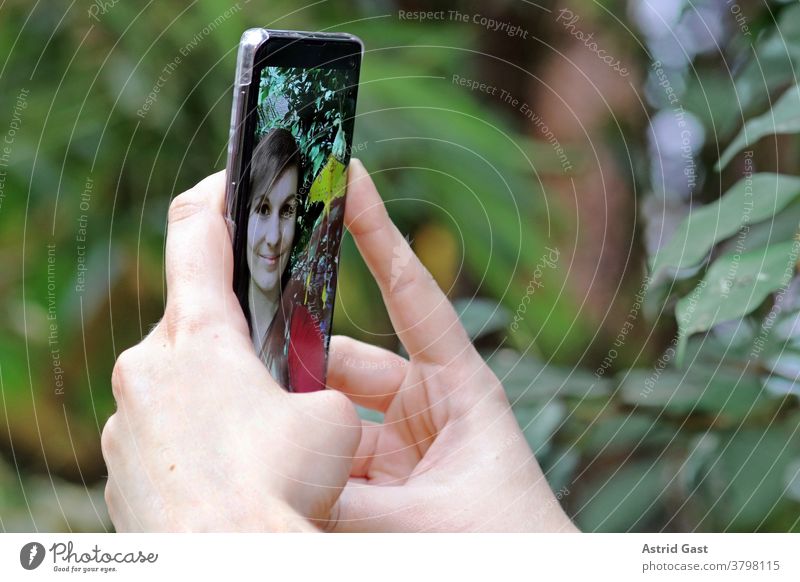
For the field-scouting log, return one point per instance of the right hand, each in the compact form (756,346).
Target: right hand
(449,455)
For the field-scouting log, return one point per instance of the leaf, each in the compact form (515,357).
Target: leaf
(528,381)
(329,184)
(779,228)
(481,317)
(623,500)
(748,201)
(539,424)
(793,480)
(749,475)
(781,386)
(785,364)
(733,287)
(784,372)
(783,117)
(725,394)
(613,434)
(667,390)
(777,57)
(702,451)
(559,466)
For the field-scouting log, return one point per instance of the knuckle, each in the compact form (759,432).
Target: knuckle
(406,279)
(125,370)
(182,319)
(108,438)
(156,333)
(134,373)
(337,409)
(184,205)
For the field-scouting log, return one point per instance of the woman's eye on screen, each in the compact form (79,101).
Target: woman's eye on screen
(288,210)
(263,209)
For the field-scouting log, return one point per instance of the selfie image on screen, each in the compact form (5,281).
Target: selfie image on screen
(295,212)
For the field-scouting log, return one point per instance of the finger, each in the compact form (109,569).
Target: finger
(370,376)
(372,508)
(370,432)
(117,442)
(199,261)
(422,316)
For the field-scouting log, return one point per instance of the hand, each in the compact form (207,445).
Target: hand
(203,438)
(449,455)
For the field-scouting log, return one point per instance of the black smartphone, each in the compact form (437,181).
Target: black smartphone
(294,104)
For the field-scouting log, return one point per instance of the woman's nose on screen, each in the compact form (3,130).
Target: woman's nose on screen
(272,232)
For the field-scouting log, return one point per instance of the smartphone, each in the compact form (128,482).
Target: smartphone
(294,103)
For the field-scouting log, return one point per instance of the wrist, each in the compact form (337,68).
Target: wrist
(270,515)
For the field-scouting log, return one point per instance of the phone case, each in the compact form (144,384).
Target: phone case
(251,40)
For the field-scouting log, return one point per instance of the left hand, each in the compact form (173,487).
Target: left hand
(203,438)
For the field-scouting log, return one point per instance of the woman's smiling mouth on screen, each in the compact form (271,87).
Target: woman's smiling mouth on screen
(269,260)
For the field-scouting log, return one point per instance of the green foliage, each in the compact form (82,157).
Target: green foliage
(778,52)
(783,117)
(729,272)
(707,441)
(733,287)
(626,498)
(751,483)
(750,200)
(329,184)
(310,103)
(481,317)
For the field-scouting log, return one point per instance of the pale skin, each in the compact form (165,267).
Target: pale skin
(204,439)
(270,233)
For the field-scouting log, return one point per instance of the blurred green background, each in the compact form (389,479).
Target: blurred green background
(638,302)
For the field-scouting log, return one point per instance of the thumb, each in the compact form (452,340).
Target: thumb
(199,263)
(374,508)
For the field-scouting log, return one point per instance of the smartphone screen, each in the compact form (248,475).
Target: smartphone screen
(289,206)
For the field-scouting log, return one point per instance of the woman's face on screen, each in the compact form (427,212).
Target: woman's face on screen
(270,231)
